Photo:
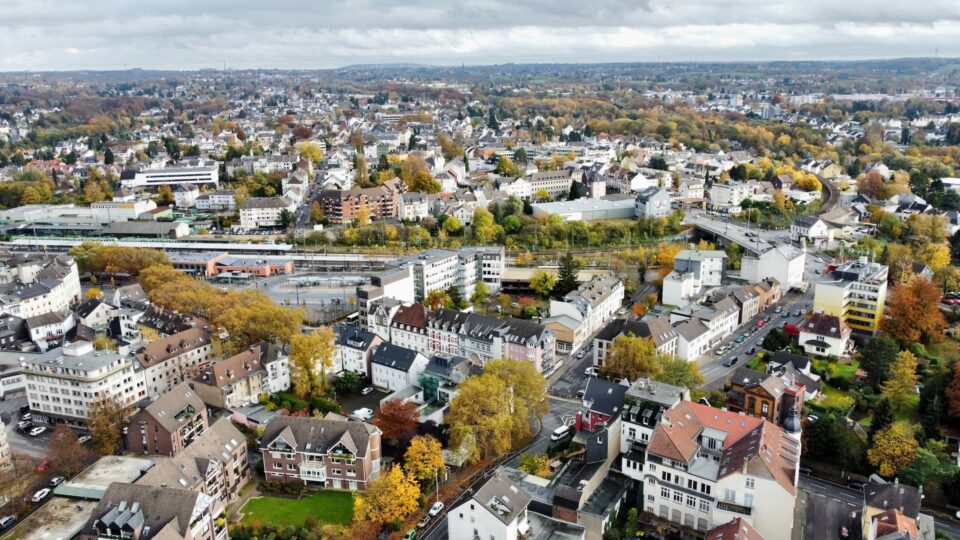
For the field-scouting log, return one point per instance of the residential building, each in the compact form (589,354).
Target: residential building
(748,300)
(812,229)
(556,183)
(735,529)
(701,326)
(764,395)
(331,452)
(185,195)
(217,201)
(50,328)
(498,511)
(693,271)
(588,307)
(440,269)
(343,206)
(794,370)
(664,337)
(5,457)
(652,203)
(824,335)
(37,284)
(167,425)
(444,372)
(706,466)
(64,383)
(395,368)
(216,463)
(855,292)
(146,512)
(892,510)
(482,338)
(782,262)
(729,194)
(241,379)
(260,212)
(187,172)
(169,361)
(95,313)
(413,206)
(644,404)
(353,349)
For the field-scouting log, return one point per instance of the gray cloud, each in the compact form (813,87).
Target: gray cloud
(68,34)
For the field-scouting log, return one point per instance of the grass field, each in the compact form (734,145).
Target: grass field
(324,506)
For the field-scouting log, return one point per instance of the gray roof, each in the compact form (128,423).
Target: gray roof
(318,435)
(190,466)
(502,498)
(604,396)
(165,409)
(265,202)
(656,328)
(156,508)
(394,357)
(904,498)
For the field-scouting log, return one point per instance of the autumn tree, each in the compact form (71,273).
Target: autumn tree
(396,418)
(632,357)
(423,458)
(310,151)
(437,299)
(67,454)
(15,480)
(902,384)
(953,392)
(102,342)
(388,499)
(679,372)
(543,283)
(485,231)
(104,419)
(361,171)
(311,355)
(165,195)
(363,215)
(893,449)
(913,312)
(93,293)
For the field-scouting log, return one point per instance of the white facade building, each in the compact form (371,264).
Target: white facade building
(783,262)
(194,172)
(258,212)
(729,194)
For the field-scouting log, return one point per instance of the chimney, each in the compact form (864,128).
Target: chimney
(578,423)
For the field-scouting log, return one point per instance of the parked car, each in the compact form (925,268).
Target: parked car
(436,509)
(423,522)
(778,309)
(84,439)
(560,433)
(730,361)
(7,521)
(366,391)
(40,495)
(740,339)
(855,484)
(26,416)
(56,481)
(411,534)
(37,431)
(363,413)
(591,371)
(22,425)
(751,350)
(45,465)
(766,319)
(805,470)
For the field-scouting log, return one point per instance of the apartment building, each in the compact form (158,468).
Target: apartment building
(728,194)
(395,368)
(855,292)
(764,395)
(242,378)
(701,326)
(141,512)
(391,287)
(185,172)
(408,328)
(498,510)
(693,271)
(706,466)
(63,384)
(167,425)
(329,452)
(643,405)
(343,206)
(169,361)
(664,337)
(587,308)
(413,206)
(34,285)
(824,335)
(437,269)
(555,183)
(353,349)
(260,212)
(484,338)
(652,203)
(215,463)
(216,201)
(783,262)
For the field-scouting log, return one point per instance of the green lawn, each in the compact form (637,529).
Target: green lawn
(833,398)
(325,506)
(947,349)
(842,371)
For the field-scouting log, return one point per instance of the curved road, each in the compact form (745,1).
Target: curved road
(831,197)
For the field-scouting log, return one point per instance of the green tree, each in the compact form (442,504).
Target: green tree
(679,372)
(505,167)
(776,340)
(883,417)
(480,293)
(568,273)
(520,155)
(108,157)
(876,357)
(543,283)
(286,218)
(902,384)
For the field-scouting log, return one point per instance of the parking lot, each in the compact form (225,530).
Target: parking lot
(35,447)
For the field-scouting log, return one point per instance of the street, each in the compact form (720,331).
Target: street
(35,447)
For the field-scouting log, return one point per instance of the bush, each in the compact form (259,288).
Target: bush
(324,405)
(558,448)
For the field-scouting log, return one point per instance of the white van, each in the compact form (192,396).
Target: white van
(560,433)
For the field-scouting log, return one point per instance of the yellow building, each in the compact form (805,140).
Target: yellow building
(855,292)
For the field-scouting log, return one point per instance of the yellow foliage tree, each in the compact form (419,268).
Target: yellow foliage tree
(893,449)
(389,498)
(310,356)
(423,458)
(902,383)
(93,293)
(633,357)
(310,151)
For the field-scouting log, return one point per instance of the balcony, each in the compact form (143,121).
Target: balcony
(313,473)
(735,508)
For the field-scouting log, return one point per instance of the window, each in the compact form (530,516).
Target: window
(691,484)
(748,500)
(765,408)
(677,497)
(691,501)
(650,498)
(730,495)
(751,483)
(665,476)
(704,505)
(705,489)
(653,466)
(665,493)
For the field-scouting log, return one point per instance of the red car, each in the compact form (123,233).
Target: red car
(45,466)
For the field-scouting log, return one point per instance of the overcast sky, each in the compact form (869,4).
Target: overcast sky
(182,34)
